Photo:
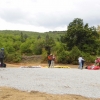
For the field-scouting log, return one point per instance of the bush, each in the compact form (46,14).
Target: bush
(16,57)
(44,55)
(89,59)
(61,58)
(68,61)
(74,54)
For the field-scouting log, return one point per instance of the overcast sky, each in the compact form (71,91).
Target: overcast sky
(47,15)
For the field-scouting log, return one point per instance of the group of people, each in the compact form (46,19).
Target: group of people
(81,62)
(1,57)
(51,61)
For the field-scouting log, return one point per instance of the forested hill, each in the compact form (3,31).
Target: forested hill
(18,43)
(54,34)
(78,39)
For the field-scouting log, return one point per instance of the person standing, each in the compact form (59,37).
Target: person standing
(2,57)
(80,62)
(49,60)
(96,60)
(83,62)
(52,61)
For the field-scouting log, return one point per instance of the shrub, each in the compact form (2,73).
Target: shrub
(61,58)
(44,55)
(74,54)
(15,57)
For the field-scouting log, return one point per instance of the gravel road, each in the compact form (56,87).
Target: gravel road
(53,80)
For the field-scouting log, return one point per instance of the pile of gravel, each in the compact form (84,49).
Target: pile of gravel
(53,80)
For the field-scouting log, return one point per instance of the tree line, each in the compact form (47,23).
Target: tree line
(78,39)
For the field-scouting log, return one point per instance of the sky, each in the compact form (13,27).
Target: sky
(47,15)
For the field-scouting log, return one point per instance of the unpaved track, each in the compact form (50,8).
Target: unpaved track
(53,80)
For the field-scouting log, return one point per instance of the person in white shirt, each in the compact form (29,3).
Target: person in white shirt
(52,61)
(80,62)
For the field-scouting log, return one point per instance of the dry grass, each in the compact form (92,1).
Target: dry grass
(44,65)
(13,94)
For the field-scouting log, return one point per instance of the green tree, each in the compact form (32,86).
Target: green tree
(23,37)
(25,48)
(82,36)
(48,44)
(98,30)
(37,47)
(74,54)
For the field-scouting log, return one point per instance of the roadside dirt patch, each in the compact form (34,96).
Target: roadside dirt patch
(44,65)
(13,94)
(35,60)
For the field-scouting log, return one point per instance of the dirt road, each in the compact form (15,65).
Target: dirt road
(7,93)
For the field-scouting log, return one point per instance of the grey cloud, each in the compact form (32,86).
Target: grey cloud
(51,20)
(55,19)
(46,20)
(92,21)
(13,15)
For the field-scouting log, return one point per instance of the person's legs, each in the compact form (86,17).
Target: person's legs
(49,63)
(80,65)
(52,64)
(1,62)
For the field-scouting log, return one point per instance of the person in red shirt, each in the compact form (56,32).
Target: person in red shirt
(49,60)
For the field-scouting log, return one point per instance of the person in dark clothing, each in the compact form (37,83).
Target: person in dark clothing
(2,56)
(83,63)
